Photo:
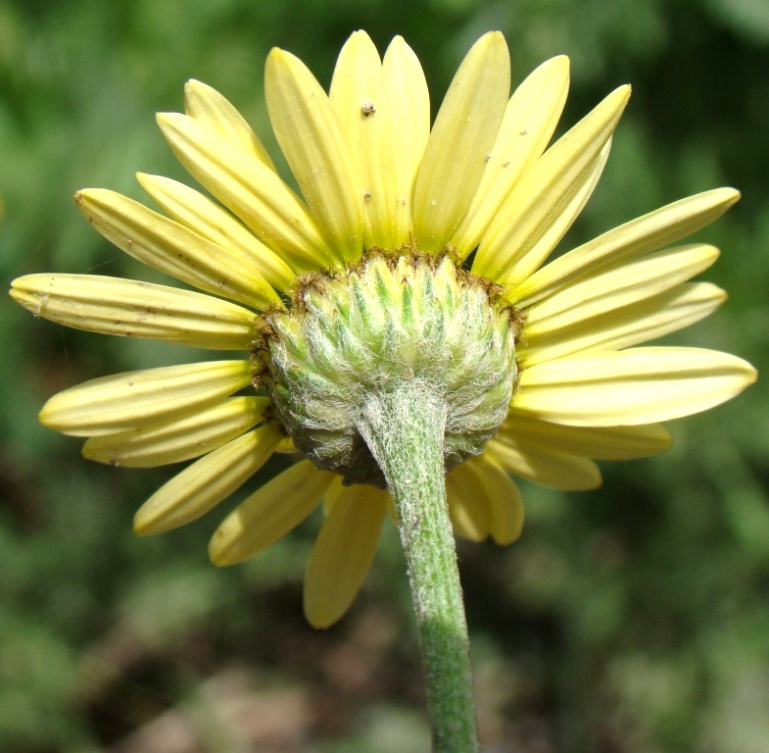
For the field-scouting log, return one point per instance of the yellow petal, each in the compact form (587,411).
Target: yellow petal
(332,494)
(599,443)
(640,236)
(250,190)
(484,500)
(179,438)
(120,401)
(357,98)
(510,250)
(619,286)
(205,483)
(311,139)
(286,446)
(113,306)
(544,465)
(505,501)
(384,111)
(461,140)
(637,386)
(269,514)
(564,214)
(624,327)
(343,553)
(207,105)
(408,126)
(191,208)
(469,508)
(172,248)
(530,119)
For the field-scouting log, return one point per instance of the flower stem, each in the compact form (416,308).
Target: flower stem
(404,429)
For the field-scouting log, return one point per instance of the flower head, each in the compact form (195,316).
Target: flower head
(384,194)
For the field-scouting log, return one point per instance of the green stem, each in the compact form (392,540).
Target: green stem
(404,429)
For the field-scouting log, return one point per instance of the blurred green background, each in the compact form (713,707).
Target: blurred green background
(630,619)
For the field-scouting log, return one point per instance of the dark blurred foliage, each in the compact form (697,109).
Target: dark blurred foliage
(632,619)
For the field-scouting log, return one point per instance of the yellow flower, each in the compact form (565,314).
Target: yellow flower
(374,175)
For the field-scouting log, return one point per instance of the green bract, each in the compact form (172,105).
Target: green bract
(389,320)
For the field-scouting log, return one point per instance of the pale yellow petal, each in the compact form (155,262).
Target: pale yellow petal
(113,403)
(309,134)
(469,507)
(505,501)
(484,500)
(596,442)
(357,98)
(629,387)
(636,238)
(619,286)
(332,494)
(113,306)
(191,208)
(269,514)
(343,553)
(286,446)
(563,216)
(530,119)
(207,105)
(624,327)
(207,482)
(384,112)
(510,250)
(460,143)
(179,438)
(172,248)
(408,127)
(250,190)
(545,465)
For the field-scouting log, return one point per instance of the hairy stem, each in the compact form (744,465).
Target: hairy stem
(404,429)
